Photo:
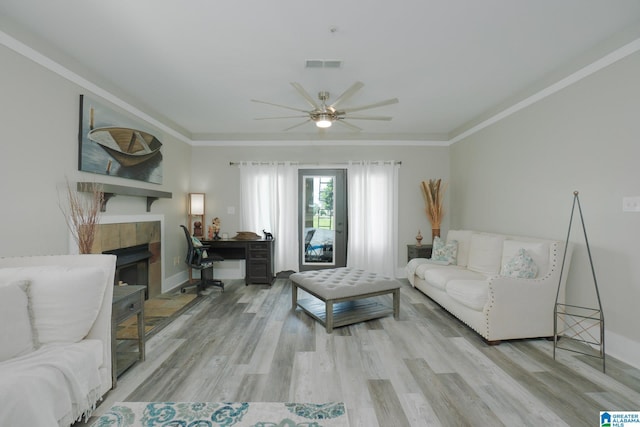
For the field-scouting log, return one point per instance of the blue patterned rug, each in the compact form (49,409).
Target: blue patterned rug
(224,414)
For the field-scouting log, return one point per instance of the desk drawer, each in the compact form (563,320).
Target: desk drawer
(122,309)
(258,255)
(255,246)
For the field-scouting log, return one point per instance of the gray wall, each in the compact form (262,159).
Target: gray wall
(39,151)
(518,176)
(212,173)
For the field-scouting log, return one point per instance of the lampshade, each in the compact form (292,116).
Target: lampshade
(196,203)
(324,121)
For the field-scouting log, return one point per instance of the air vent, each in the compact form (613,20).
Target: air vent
(332,64)
(322,63)
(314,63)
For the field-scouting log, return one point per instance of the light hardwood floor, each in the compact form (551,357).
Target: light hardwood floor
(427,368)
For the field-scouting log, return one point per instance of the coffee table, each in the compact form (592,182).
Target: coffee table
(344,296)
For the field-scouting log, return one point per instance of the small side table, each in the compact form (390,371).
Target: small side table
(128,301)
(422,251)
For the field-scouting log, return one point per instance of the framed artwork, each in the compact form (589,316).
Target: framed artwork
(112,143)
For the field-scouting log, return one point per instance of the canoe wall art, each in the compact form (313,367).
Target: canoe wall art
(112,143)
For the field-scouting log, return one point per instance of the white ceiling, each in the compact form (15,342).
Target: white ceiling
(196,64)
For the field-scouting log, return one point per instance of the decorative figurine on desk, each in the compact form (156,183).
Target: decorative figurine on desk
(197,228)
(216,228)
(267,235)
(419,239)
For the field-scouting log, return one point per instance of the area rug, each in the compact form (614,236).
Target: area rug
(157,311)
(224,414)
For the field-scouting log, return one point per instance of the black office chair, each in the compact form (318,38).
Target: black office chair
(197,261)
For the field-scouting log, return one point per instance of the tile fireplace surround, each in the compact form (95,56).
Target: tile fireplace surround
(125,234)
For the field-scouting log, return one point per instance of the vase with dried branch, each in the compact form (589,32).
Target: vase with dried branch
(433,192)
(82,214)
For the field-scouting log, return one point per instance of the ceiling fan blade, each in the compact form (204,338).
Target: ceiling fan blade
(295,126)
(386,118)
(349,125)
(306,95)
(374,105)
(278,105)
(281,117)
(347,93)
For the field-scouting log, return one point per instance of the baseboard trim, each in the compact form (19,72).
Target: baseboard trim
(622,348)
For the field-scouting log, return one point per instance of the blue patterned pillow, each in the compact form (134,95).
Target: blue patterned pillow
(521,265)
(444,252)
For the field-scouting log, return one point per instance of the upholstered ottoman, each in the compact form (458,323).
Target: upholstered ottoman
(343,296)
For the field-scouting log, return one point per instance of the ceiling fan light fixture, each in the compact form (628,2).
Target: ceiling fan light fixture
(323,115)
(324,121)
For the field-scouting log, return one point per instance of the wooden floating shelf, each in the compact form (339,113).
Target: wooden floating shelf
(110,190)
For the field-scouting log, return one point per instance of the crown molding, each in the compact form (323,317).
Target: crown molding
(613,50)
(315,142)
(55,67)
(253,139)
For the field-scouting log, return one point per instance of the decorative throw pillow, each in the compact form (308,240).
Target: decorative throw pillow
(16,331)
(538,251)
(64,301)
(521,265)
(196,242)
(442,252)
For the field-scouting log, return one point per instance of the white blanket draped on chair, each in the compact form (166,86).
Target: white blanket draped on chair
(55,385)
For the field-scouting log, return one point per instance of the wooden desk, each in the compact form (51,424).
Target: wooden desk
(258,255)
(128,301)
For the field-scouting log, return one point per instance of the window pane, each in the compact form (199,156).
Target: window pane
(318,219)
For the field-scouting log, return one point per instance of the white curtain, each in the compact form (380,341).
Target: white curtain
(373,225)
(269,201)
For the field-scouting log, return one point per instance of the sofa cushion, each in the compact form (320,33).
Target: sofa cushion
(64,300)
(521,265)
(429,265)
(16,333)
(470,293)
(439,277)
(463,237)
(485,253)
(539,252)
(444,253)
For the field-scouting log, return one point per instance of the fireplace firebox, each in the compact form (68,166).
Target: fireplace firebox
(132,265)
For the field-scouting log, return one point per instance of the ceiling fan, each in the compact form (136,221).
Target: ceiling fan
(324,115)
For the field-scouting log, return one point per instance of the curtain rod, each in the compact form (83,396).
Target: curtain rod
(314,163)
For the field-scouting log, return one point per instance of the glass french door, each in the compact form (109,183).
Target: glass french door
(322,218)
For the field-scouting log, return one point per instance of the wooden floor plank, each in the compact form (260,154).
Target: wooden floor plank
(426,369)
(394,363)
(386,404)
(418,410)
(508,400)
(436,392)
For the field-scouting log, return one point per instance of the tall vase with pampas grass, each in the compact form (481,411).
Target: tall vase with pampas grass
(82,214)
(433,192)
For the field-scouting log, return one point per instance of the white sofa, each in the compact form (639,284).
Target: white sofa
(55,337)
(496,306)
